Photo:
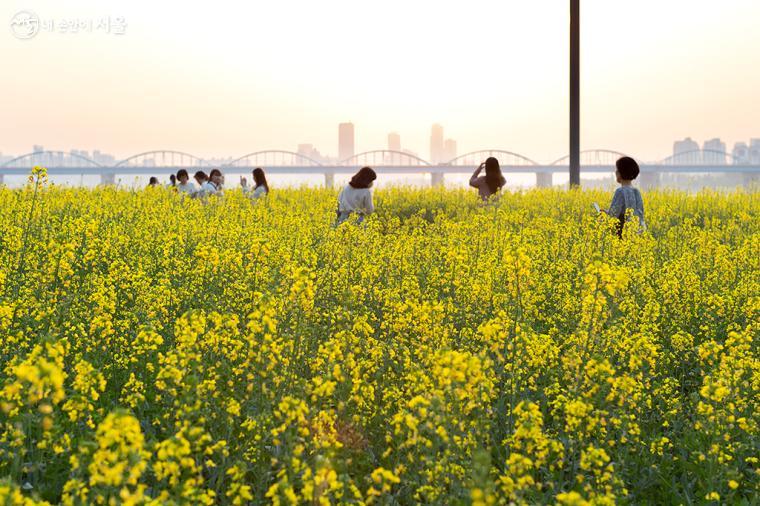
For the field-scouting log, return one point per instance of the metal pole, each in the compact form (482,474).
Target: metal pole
(575,92)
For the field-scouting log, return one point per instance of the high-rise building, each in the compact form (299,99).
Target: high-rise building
(741,153)
(82,152)
(309,151)
(686,152)
(394,141)
(714,152)
(436,144)
(103,158)
(754,151)
(449,150)
(345,141)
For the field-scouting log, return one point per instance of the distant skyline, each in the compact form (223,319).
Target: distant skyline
(686,151)
(225,79)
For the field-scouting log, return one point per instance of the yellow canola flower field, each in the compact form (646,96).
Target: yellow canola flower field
(156,349)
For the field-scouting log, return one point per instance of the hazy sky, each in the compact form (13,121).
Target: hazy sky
(227,77)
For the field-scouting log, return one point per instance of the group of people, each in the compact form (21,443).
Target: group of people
(356,197)
(213,183)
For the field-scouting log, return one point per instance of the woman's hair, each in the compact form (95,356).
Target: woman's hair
(214,172)
(260,179)
(173,179)
(153,180)
(363,178)
(494,179)
(181,173)
(200,175)
(628,168)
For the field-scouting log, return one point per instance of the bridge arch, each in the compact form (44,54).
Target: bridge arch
(270,157)
(594,157)
(697,157)
(384,157)
(49,158)
(507,158)
(162,158)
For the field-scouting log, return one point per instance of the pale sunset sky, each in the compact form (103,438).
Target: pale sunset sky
(227,77)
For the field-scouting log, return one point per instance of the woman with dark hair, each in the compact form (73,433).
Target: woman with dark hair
(153,182)
(202,179)
(211,184)
(356,197)
(216,180)
(492,182)
(260,185)
(183,182)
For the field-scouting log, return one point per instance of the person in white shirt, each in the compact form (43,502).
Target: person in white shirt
(215,183)
(201,178)
(260,186)
(183,183)
(209,185)
(356,197)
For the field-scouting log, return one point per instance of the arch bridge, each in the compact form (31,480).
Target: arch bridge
(382,160)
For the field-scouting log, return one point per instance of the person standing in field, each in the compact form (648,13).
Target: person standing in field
(626,197)
(260,185)
(184,185)
(200,178)
(153,182)
(172,181)
(205,186)
(215,183)
(356,197)
(492,182)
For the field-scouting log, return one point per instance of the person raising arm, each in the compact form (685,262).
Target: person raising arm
(492,182)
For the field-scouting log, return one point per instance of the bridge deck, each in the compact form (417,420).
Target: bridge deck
(384,169)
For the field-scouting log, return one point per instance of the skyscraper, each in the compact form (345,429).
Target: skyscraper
(436,144)
(394,142)
(712,150)
(686,152)
(305,149)
(103,158)
(345,141)
(309,151)
(449,150)
(741,153)
(754,151)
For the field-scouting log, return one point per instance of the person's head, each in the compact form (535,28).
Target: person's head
(215,177)
(182,176)
(200,177)
(363,178)
(260,179)
(626,169)
(173,179)
(153,181)
(494,178)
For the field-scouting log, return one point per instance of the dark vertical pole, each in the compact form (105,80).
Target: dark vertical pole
(575,93)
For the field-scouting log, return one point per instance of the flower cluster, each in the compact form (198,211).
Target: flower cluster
(160,350)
